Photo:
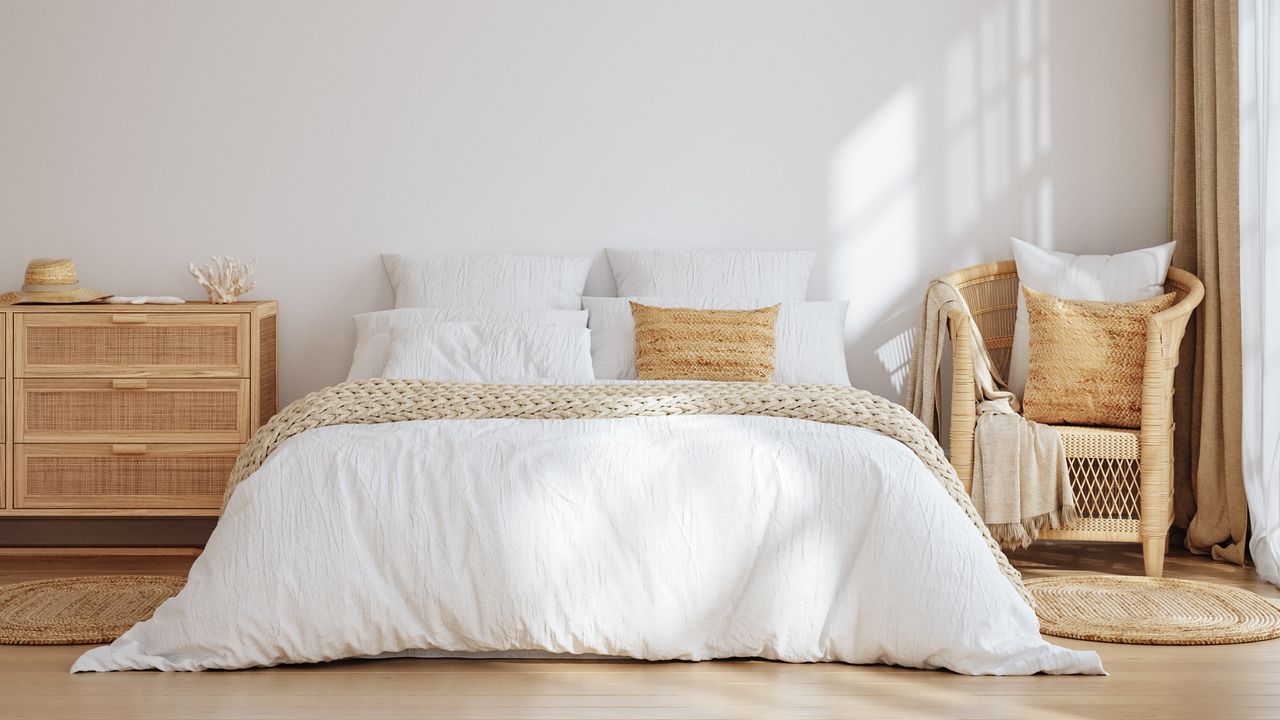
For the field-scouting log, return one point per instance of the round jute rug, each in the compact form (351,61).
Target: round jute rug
(1151,611)
(80,610)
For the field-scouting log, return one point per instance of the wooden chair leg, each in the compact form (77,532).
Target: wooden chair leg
(1153,549)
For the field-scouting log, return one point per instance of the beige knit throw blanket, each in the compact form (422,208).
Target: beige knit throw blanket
(1020,479)
(381,400)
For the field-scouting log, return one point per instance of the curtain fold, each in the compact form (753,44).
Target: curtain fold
(1260,277)
(1204,218)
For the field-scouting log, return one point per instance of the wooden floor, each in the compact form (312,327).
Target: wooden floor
(1235,681)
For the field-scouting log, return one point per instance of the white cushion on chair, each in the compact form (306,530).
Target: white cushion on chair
(1122,278)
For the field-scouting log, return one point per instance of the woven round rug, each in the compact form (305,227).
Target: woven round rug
(1151,611)
(80,610)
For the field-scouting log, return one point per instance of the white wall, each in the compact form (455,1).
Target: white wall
(901,139)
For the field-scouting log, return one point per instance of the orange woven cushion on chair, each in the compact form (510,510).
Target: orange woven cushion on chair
(688,344)
(1087,360)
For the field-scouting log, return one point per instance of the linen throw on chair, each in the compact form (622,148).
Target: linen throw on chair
(1020,479)
(1204,219)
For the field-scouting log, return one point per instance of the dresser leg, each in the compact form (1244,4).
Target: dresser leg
(1153,549)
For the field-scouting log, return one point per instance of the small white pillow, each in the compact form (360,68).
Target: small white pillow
(493,281)
(491,353)
(809,341)
(754,274)
(373,329)
(1122,278)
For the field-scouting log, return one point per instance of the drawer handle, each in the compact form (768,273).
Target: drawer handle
(128,384)
(128,449)
(129,319)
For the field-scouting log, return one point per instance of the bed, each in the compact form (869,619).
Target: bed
(691,521)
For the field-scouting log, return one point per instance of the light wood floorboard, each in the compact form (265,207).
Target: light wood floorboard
(1236,681)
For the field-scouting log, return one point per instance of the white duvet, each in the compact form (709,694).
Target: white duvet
(658,538)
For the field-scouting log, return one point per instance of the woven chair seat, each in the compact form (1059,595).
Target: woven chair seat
(1099,442)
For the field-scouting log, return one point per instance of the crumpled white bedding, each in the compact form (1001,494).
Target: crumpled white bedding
(692,538)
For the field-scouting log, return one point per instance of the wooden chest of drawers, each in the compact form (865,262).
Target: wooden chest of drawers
(130,410)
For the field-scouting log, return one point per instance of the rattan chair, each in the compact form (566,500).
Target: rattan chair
(1122,478)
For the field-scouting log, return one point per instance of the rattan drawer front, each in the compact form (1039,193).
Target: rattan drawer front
(121,476)
(131,411)
(129,344)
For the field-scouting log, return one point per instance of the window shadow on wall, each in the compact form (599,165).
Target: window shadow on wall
(927,182)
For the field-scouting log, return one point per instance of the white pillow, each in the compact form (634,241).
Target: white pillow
(781,275)
(1122,278)
(491,353)
(809,337)
(373,330)
(493,281)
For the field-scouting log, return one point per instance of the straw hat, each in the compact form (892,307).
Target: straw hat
(51,281)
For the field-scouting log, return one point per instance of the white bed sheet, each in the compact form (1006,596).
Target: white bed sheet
(658,538)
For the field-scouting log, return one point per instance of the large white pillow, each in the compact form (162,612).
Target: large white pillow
(809,339)
(373,329)
(493,281)
(491,353)
(1122,278)
(754,274)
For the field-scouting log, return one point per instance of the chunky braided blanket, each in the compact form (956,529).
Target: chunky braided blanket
(381,400)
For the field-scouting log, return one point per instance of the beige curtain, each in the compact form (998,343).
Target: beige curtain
(1204,217)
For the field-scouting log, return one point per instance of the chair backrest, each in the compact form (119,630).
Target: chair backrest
(991,291)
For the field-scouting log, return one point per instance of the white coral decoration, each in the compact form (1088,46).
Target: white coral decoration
(225,278)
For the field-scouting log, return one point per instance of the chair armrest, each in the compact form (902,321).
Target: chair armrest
(1165,331)
(964,401)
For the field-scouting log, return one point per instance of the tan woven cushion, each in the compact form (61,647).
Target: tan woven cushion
(1087,360)
(688,344)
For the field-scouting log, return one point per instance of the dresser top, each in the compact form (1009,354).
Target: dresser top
(203,306)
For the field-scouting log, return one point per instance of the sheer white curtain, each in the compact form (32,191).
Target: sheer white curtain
(1260,275)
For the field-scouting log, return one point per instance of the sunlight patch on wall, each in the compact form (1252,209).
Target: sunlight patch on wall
(993,40)
(1044,213)
(876,161)
(1045,136)
(895,356)
(1024,41)
(960,196)
(950,164)
(874,216)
